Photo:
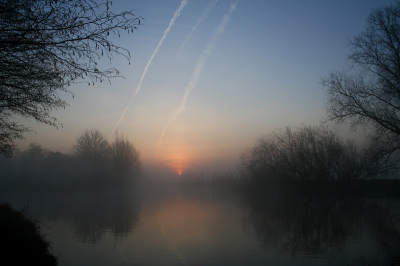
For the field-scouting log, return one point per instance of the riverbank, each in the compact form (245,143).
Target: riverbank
(21,240)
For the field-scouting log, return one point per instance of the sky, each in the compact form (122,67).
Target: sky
(207,78)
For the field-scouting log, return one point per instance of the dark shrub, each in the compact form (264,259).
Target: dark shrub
(21,242)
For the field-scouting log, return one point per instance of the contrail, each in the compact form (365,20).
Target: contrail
(197,71)
(171,24)
(201,20)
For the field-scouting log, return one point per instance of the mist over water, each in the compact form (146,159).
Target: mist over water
(98,208)
(190,226)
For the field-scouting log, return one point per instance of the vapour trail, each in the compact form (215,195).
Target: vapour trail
(197,71)
(171,24)
(201,20)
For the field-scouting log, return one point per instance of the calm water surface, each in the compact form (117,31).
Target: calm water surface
(210,227)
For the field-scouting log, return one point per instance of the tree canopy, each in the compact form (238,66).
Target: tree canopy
(47,45)
(120,156)
(372,97)
(124,157)
(92,146)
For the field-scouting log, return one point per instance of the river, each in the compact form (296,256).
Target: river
(171,226)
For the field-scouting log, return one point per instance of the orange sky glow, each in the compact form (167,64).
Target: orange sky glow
(178,160)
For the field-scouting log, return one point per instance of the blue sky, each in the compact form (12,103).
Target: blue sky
(260,73)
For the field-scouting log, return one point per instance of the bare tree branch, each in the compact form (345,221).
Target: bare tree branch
(48,45)
(372,99)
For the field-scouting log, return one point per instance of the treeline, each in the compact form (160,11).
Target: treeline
(314,160)
(93,164)
(310,153)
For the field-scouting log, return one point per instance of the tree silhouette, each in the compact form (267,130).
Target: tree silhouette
(125,158)
(47,45)
(305,153)
(372,98)
(92,147)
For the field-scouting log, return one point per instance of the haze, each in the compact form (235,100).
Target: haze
(196,96)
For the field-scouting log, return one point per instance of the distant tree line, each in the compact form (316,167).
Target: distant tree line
(93,164)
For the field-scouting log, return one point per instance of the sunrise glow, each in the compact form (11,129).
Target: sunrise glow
(183,103)
(176,157)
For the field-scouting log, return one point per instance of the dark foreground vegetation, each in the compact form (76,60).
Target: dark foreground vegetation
(21,241)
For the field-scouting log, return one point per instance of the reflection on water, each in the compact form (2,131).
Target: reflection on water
(117,213)
(329,228)
(206,227)
(303,226)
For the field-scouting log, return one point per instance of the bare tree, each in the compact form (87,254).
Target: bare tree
(47,45)
(124,157)
(372,98)
(91,146)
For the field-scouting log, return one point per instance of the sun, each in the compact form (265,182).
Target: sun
(179,173)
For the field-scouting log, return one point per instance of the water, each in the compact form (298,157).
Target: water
(211,227)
